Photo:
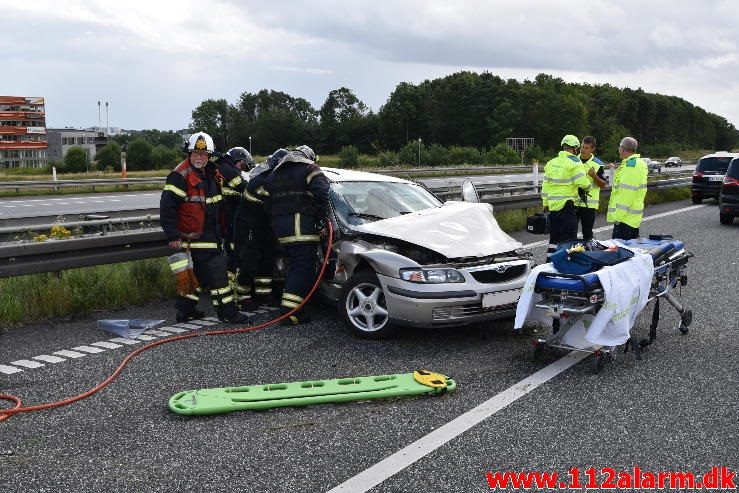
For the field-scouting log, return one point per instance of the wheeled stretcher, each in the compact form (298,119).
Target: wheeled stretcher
(569,298)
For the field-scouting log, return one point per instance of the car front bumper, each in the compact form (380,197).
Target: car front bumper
(432,305)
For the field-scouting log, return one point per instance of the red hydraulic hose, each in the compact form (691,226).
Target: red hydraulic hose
(19,408)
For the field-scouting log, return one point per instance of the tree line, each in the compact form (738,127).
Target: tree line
(468,110)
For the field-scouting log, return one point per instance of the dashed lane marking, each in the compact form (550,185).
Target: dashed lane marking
(145,337)
(70,354)
(106,345)
(175,330)
(124,340)
(90,349)
(49,358)
(27,363)
(9,370)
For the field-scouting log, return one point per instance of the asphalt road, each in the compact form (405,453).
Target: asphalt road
(675,410)
(72,206)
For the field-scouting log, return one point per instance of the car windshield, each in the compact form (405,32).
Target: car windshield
(674,159)
(719,164)
(359,202)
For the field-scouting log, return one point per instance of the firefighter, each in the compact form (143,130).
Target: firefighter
(297,196)
(626,205)
(565,179)
(192,218)
(234,166)
(255,243)
(586,210)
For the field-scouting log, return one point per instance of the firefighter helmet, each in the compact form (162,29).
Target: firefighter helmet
(200,141)
(241,154)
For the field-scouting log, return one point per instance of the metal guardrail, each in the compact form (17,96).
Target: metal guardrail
(159,180)
(51,256)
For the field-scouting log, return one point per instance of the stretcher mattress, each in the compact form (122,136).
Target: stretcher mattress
(587,282)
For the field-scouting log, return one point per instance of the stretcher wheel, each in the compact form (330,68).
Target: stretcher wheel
(537,349)
(685,320)
(599,361)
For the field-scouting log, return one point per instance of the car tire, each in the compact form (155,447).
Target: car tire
(726,218)
(697,199)
(363,309)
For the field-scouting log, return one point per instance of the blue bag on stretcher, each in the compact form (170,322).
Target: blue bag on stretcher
(570,259)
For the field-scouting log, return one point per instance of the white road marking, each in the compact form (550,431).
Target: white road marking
(144,337)
(157,333)
(90,349)
(176,330)
(106,345)
(610,226)
(27,363)
(204,323)
(9,370)
(188,326)
(49,359)
(212,319)
(371,477)
(70,354)
(124,340)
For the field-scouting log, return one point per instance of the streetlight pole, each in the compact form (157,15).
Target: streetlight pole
(250,144)
(419,152)
(84,146)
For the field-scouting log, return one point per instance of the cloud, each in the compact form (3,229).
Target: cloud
(156,60)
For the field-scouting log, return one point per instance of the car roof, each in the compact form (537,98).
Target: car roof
(722,154)
(339,175)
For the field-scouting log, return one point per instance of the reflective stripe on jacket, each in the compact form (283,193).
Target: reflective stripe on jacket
(563,175)
(626,204)
(594,192)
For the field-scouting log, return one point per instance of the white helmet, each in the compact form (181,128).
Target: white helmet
(200,141)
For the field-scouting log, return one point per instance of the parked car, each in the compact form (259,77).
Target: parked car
(708,175)
(402,257)
(673,161)
(653,165)
(728,199)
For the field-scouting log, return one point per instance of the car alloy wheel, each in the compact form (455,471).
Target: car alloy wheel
(363,307)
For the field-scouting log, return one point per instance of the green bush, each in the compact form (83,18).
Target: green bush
(163,157)
(458,155)
(502,154)
(349,156)
(109,156)
(75,161)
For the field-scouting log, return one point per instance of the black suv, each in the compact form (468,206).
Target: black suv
(728,200)
(708,175)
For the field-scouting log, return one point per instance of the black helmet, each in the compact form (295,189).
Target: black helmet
(275,157)
(241,154)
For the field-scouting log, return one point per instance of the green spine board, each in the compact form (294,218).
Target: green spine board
(295,394)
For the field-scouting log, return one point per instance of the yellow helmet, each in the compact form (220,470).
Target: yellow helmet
(571,141)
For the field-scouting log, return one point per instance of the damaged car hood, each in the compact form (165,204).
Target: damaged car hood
(457,229)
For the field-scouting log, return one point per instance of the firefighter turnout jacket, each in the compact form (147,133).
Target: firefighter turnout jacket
(191,206)
(295,194)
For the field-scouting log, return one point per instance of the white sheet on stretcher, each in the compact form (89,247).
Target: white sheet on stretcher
(626,286)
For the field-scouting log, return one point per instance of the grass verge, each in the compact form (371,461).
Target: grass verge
(81,291)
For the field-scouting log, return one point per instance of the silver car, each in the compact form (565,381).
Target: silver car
(401,257)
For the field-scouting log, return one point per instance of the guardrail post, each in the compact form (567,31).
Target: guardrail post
(53,176)
(536,177)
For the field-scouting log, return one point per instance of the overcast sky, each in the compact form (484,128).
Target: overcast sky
(154,61)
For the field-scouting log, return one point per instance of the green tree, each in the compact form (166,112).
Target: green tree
(349,156)
(163,157)
(212,117)
(344,121)
(138,157)
(75,161)
(109,156)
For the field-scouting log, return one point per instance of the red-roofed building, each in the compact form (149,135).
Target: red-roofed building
(22,132)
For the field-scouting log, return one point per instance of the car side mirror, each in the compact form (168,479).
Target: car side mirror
(469,193)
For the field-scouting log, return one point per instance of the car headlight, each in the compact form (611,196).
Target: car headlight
(431,276)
